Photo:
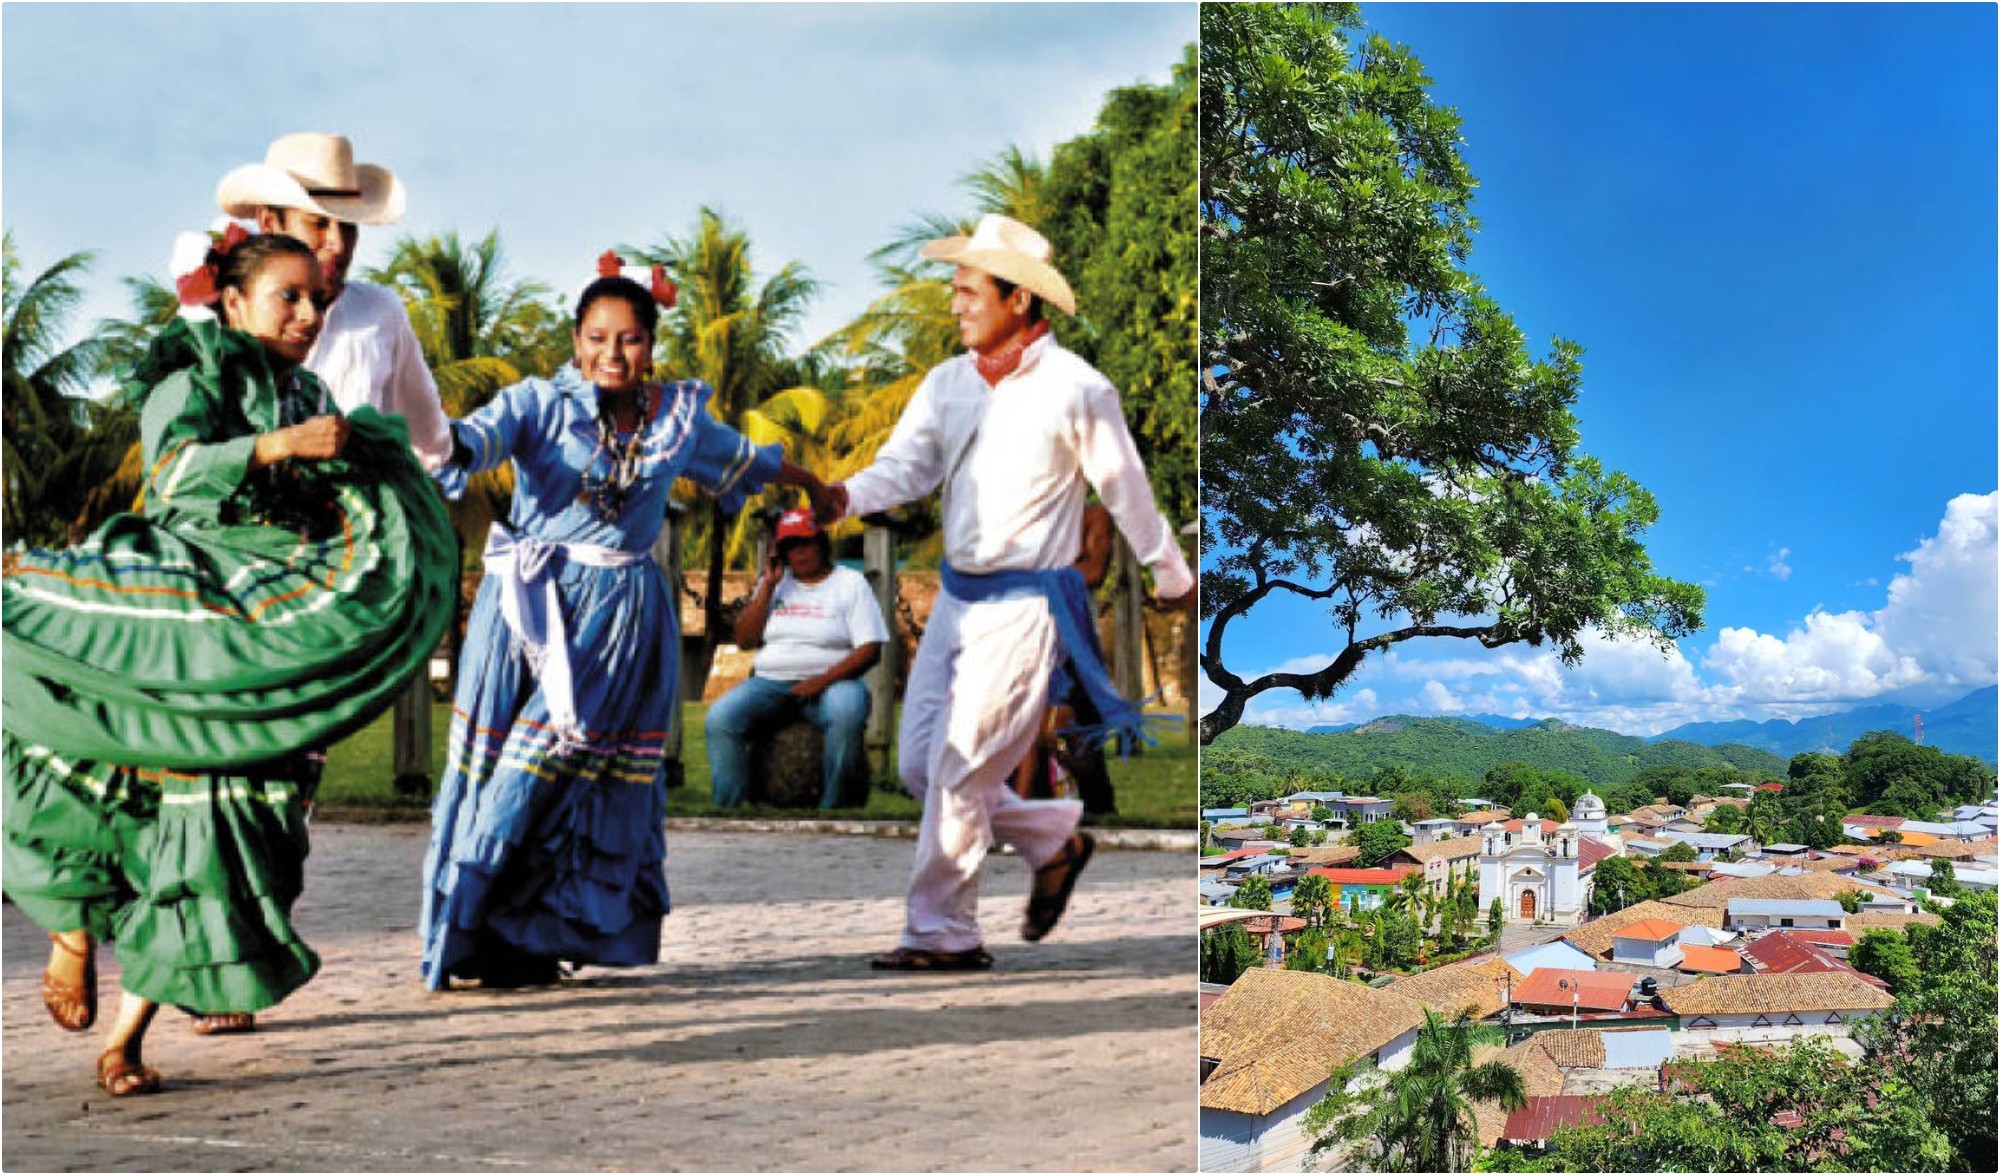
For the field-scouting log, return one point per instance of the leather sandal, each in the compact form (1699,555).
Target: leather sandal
(1054,882)
(122,1078)
(72,1006)
(222,1023)
(919,959)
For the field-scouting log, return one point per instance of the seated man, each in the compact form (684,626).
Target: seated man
(817,629)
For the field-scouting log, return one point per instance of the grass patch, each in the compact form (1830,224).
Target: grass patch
(1154,790)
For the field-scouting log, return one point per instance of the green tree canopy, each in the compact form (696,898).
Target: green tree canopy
(1421,1117)
(1253,894)
(1379,435)
(1376,841)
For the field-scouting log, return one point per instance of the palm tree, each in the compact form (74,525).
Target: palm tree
(1419,1118)
(51,454)
(731,334)
(480,331)
(121,343)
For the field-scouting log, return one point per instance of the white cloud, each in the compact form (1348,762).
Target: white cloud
(1778,566)
(1436,699)
(1942,613)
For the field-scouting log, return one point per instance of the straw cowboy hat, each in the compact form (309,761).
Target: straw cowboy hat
(1006,248)
(317,173)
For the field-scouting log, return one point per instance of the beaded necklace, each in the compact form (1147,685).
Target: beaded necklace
(607,492)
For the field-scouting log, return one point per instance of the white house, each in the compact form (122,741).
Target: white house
(1773,1006)
(1654,942)
(1267,1047)
(1784,913)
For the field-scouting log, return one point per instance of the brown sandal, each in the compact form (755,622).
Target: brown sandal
(73,1007)
(919,959)
(221,1023)
(1045,905)
(122,1078)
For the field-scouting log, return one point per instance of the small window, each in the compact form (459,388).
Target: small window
(1762,1021)
(1701,1022)
(1784,921)
(1792,1020)
(1835,1018)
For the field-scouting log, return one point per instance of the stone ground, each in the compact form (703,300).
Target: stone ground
(761,1041)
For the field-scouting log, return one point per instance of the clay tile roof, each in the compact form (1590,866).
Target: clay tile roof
(1720,960)
(1276,1034)
(1768,994)
(1602,990)
(1873,821)
(1573,1048)
(1651,930)
(1447,989)
(1327,855)
(1486,816)
(1594,937)
(1858,924)
(1954,849)
(1801,887)
(1444,850)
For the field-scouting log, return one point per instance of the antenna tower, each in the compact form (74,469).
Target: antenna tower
(1919,720)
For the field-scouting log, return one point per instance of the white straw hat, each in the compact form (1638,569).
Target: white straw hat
(1006,248)
(315,172)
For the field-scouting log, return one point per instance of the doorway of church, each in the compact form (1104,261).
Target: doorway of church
(1527,905)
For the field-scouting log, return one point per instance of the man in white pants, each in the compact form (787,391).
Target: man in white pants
(1014,431)
(310,189)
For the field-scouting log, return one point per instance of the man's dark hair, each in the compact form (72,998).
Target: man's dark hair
(1007,289)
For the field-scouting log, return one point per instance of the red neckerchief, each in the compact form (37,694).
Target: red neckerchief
(1002,363)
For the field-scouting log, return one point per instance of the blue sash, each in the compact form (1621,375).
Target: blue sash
(1082,659)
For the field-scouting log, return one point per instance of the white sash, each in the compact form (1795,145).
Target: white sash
(535,618)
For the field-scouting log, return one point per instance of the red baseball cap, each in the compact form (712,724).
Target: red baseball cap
(797,524)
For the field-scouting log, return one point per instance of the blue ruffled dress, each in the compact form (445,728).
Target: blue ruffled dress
(546,847)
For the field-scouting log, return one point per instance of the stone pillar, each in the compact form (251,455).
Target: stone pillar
(878,554)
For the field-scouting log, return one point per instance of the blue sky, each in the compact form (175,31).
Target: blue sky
(1772,228)
(571,128)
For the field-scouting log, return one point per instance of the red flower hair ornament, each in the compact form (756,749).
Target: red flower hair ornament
(198,257)
(666,293)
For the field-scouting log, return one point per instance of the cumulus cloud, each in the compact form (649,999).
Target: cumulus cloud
(1942,612)
(1778,566)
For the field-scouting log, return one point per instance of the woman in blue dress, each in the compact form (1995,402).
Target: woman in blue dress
(548,841)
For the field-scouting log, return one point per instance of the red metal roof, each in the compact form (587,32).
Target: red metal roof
(1770,787)
(1783,953)
(1825,938)
(1537,1120)
(1561,987)
(1589,852)
(1720,960)
(1362,876)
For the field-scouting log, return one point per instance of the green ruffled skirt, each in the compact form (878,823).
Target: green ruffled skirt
(164,686)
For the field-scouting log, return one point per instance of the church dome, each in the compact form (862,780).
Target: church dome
(1588,807)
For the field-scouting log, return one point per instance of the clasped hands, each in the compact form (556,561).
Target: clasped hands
(318,439)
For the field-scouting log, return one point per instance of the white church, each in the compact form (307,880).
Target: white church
(1541,871)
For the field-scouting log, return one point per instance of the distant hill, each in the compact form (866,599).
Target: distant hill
(1969,726)
(1464,749)
(1496,721)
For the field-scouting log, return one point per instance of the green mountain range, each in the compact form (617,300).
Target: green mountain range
(1455,748)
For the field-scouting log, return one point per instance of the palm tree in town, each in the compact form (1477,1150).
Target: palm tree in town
(52,453)
(1419,1118)
(121,343)
(732,334)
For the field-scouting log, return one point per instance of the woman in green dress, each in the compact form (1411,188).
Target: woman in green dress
(167,679)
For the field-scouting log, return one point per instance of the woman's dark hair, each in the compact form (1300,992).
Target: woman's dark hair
(625,289)
(234,269)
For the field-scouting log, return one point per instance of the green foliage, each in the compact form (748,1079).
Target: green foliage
(1312,899)
(1849,1117)
(1376,841)
(1680,851)
(1496,917)
(1619,884)
(1226,952)
(1886,955)
(1382,437)
(1940,1035)
(1253,894)
(1889,775)
(1306,951)
(1420,1118)
(1441,759)
(1850,900)
(1300,835)
(1944,877)
(1726,819)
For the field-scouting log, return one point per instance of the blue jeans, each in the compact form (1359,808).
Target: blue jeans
(761,704)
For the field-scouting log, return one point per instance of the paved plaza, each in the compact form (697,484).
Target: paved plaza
(761,1041)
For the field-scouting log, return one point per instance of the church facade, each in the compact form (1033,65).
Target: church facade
(1541,871)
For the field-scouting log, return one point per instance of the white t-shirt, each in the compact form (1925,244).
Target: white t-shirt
(366,353)
(814,625)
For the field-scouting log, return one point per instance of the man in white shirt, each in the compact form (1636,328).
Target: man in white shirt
(817,628)
(1014,431)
